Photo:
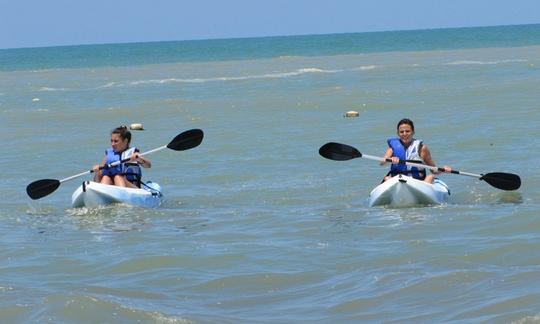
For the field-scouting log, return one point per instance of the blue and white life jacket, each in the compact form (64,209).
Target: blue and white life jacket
(132,171)
(411,153)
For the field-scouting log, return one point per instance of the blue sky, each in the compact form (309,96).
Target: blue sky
(34,23)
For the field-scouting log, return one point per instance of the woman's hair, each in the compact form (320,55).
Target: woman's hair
(123,132)
(405,121)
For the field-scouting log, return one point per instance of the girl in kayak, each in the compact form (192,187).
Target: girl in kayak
(406,147)
(126,174)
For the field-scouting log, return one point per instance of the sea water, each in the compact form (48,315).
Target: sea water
(256,226)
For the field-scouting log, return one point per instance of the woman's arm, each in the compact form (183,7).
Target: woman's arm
(97,172)
(425,154)
(387,155)
(144,162)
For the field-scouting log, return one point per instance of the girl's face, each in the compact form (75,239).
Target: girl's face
(118,144)
(405,133)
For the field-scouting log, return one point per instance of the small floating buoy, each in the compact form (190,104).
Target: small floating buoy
(352,113)
(136,127)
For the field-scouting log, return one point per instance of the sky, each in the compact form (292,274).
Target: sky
(38,23)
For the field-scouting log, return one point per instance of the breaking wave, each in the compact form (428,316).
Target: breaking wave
(275,75)
(471,62)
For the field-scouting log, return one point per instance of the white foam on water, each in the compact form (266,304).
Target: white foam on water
(365,68)
(274,75)
(473,62)
(51,89)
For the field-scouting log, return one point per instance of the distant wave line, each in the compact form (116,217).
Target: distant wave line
(273,75)
(52,89)
(472,62)
(365,68)
(276,75)
(108,85)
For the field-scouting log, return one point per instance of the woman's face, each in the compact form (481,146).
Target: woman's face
(405,133)
(118,144)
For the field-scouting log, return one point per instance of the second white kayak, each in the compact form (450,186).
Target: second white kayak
(405,191)
(93,194)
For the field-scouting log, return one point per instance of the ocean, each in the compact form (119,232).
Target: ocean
(256,227)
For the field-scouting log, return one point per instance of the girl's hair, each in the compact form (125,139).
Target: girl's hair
(123,132)
(406,121)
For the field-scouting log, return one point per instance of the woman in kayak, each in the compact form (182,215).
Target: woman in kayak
(126,174)
(406,147)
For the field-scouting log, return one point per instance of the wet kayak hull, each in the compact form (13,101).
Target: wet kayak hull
(405,191)
(92,194)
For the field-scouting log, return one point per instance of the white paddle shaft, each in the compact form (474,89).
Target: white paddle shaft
(433,168)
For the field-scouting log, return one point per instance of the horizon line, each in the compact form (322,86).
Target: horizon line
(255,37)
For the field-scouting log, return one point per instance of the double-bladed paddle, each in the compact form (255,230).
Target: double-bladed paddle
(343,152)
(183,141)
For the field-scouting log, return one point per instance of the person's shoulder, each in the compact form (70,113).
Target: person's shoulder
(391,140)
(424,147)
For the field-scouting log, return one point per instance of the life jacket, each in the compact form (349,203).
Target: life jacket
(132,171)
(411,153)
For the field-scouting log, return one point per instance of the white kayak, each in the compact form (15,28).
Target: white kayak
(405,191)
(93,194)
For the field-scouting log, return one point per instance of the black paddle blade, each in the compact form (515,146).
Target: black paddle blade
(186,140)
(339,152)
(41,188)
(501,180)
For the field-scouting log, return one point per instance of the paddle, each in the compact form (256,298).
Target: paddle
(183,141)
(343,152)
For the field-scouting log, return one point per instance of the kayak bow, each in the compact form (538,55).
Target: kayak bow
(93,194)
(405,191)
